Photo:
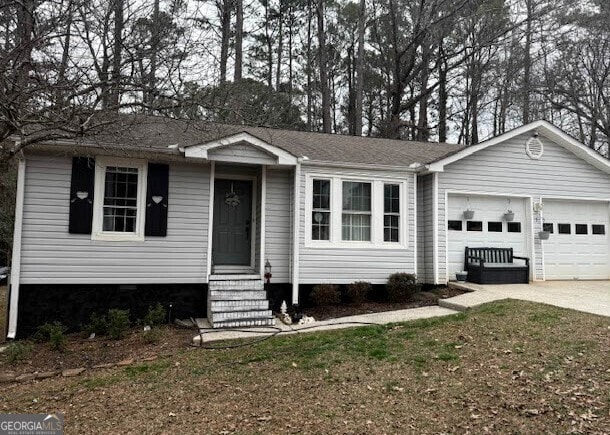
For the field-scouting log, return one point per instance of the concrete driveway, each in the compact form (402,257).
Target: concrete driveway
(587,296)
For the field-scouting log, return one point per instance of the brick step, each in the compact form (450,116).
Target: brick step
(228,277)
(226,316)
(243,305)
(236,285)
(237,295)
(245,323)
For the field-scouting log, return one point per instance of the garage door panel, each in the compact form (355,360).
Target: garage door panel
(487,209)
(577,256)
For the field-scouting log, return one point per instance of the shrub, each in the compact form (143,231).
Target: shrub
(118,323)
(152,336)
(155,316)
(18,351)
(401,286)
(52,333)
(325,294)
(98,325)
(358,291)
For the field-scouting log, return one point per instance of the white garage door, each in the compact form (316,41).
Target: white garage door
(578,247)
(488,227)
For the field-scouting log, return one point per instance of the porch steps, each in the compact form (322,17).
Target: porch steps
(235,302)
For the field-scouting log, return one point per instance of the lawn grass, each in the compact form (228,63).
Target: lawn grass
(506,367)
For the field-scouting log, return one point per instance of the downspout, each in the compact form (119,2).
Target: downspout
(296,227)
(16,260)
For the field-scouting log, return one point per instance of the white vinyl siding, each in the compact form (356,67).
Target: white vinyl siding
(278,223)
(506,169)
(50,255)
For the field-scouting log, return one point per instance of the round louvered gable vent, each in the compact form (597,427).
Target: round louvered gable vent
(534,148)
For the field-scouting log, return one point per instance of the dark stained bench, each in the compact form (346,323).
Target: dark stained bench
(495,266)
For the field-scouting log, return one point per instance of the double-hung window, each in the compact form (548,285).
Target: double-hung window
(391,212)
(119,199)
(320,214)
(356,213)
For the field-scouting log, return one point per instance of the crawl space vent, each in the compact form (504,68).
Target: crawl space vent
(534,148)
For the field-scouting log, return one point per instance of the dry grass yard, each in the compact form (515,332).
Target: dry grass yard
(507,367)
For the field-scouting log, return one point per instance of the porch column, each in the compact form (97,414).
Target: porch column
(296,227)
(263,215)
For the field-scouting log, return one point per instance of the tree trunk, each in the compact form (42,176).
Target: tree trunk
(527,63)
(154,49)
(360,70)
(280,45)
(225,32)
(115,94)
(442,95)
(326,120)
(308,68)
(422,133)
(269,46)
(239,39)
(63,66)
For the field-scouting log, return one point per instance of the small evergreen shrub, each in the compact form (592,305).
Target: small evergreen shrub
(325,294)
(18,351)
(118,323)
(156,315)
(98,325)
(401,286)
(153,336)
(53,333)
(357,292)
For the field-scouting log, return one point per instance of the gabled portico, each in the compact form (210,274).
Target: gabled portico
(241,167)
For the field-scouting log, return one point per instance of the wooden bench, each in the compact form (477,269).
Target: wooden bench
(495,266)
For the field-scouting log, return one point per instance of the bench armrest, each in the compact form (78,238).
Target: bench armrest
(527,260)
(472,257)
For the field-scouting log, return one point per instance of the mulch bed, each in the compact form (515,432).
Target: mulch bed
(422,299)
(84,352)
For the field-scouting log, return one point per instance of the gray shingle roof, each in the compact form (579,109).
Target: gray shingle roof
(151,133)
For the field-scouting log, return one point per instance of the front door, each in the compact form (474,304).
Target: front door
(232,232)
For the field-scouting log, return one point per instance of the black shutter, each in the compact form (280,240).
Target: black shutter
(81,195)
(156,200)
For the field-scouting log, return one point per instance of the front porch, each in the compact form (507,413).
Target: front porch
(253,210)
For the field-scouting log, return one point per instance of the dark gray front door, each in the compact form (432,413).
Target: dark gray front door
(231,240)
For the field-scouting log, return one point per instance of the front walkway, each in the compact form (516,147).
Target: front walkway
(587,296)
(210,335)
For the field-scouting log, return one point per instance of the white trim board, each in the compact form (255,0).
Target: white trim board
(16,260)
(541,127)
(201,151)
(210,221)
(296,228)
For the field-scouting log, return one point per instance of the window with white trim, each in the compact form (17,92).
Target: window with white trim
(118,210)
(320,214)
(356,211)
(120,199)
(391,212)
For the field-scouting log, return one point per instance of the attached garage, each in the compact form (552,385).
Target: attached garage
(487,228)
(579,245)
(547,178)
